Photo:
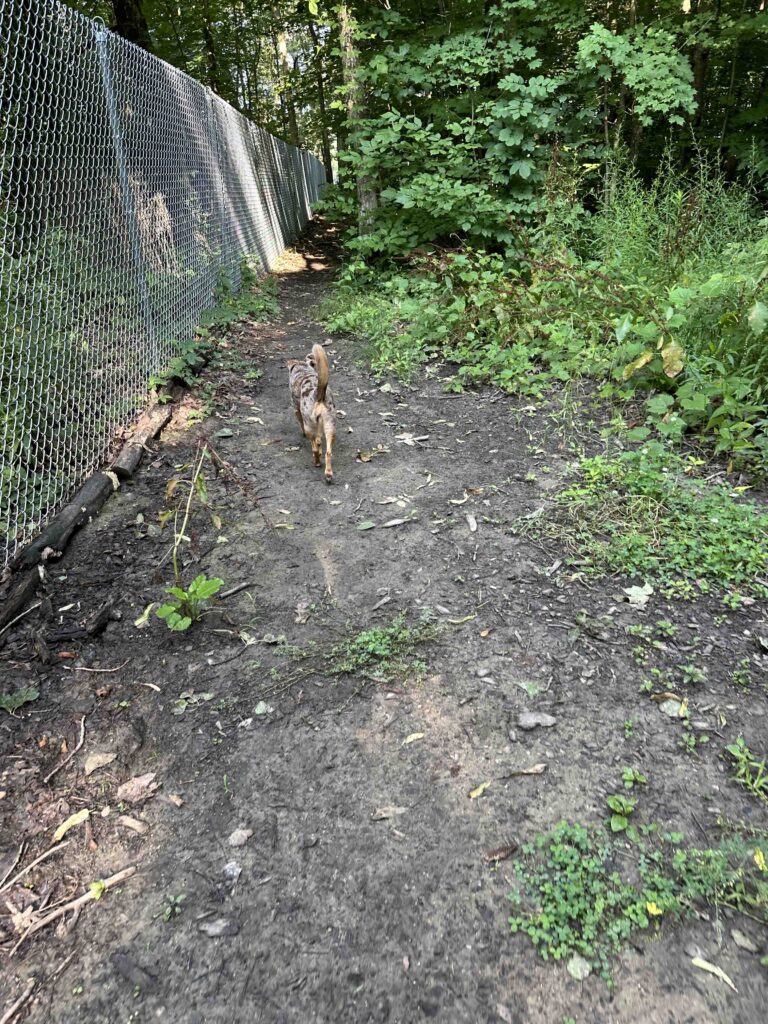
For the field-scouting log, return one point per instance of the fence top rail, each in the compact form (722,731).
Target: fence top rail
(101,32)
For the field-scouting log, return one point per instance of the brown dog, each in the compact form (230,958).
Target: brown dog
(313,405)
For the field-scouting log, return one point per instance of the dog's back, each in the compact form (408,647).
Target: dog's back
(313,402)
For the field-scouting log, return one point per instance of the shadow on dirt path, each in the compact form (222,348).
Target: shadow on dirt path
(329,911)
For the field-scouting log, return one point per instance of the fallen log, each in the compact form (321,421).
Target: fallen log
(149,426)
(83,507)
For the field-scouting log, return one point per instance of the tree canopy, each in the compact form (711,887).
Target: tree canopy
(460,108)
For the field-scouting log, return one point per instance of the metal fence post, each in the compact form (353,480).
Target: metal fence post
(102,35)
(213,137)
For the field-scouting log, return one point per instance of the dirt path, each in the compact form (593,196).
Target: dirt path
(327,913)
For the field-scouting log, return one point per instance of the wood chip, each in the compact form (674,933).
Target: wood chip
(134,824)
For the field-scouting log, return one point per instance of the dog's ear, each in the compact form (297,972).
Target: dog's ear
(293,362)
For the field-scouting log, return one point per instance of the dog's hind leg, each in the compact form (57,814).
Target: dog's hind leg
(300,421)
(317,448)
(330,437)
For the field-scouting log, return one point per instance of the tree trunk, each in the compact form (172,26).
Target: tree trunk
(131,23)
(700,59)
(215,79)
(324,140)
(366,196)
(280,91)
(286,85)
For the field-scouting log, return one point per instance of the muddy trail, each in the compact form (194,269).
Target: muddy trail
(315,844)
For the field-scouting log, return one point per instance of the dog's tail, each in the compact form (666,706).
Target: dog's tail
(321,365)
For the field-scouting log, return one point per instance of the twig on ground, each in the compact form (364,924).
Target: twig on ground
(11,1012)
(38,860)
(10,869)
(75,904)
(234,590)
(11,623)
(69,757)
(62,966)
(84,668)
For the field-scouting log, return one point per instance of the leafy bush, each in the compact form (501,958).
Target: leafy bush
(573,899)
(664,292)
(645,513)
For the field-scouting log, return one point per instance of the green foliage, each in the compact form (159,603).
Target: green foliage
(172,907)
(645,514)
(573,899)
(741,675)
(383,651)
(189,603)
(750,771)
(184,366)
(662,294)
(11,702)
(622,807)
(646,61)
(470,106)
(631,776)
(255,299)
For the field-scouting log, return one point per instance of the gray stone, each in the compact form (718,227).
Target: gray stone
(533,719)
(219,927)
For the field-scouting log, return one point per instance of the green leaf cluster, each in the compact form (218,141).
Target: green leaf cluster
(645,513)
(189,603)
(575,895)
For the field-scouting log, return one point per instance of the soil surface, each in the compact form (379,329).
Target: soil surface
(363,892)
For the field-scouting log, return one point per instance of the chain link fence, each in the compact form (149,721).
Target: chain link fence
(129,196)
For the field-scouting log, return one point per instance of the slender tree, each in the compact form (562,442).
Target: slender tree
(347,27)
(318,63)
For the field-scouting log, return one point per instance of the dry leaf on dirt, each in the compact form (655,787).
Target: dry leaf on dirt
(139,788)
(743,941)
(219,927)
(367,456)
(472,524)
(412,738)
(176,800)
(72,820)
(705,965)
(398,522)
(143,620)
(638,597)
(501,852)
(95,761)
(459,501)
(674,708)
(479,790)
(385,813)
(302,612)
